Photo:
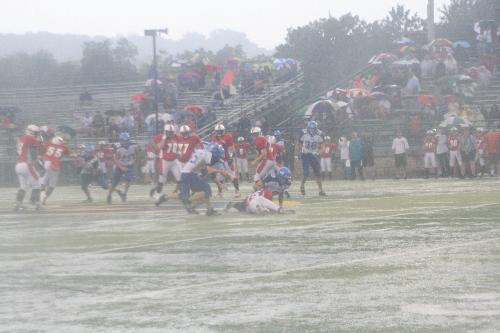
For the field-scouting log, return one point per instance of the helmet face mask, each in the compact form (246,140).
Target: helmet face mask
(241,139)
(57,140)
(220,130)
(32,130)
(256,131)
(169,130)
(185,131)
(312,127)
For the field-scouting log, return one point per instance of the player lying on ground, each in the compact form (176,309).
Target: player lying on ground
(260,202)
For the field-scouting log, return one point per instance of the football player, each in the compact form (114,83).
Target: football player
(226,140)
(326,153)
(87,162)
(309,145)
(195,190)
(455,156)
(241,149)
(28,166)
(168,144)
(261,202)
(104,155)
(54,152)
(430,162)
(123,171)
(265,160)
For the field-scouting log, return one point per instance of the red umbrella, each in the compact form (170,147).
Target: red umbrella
(194,108)
(139,97)
(427,99)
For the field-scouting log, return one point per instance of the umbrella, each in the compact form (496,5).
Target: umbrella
(378,95)
(427,99)
(339,105)
(194,108)
(279,63)
(323,106)
(165,117)
(440,42)
(403,41)
(149,83)
(407,50)
(454,121)
(357,92)
(383,58)
(484,24)
(406,62)
(139,97)
(67,130)
(461,43)
(462,78)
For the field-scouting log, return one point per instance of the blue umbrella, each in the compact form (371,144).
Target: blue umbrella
(403,41)
(461,43)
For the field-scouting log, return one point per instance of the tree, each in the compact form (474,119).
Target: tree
(400,22)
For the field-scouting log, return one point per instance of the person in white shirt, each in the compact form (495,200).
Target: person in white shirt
(344,156)
(399,147)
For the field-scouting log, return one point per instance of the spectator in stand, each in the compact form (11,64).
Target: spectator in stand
(98,124)
(468,144)
(138,116)
(428,67)
(412,87)
(114,123)
(127,122)
(369,157)
(494,112)
(450,64)
(442,152)
(86,123)
(356,156)
(344,156)
(400,148)
(492,139)
(5,121)
(440,70)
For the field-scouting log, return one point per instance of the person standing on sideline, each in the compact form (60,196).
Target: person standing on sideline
(400,147)
(430,164)
(344,156)
(356,156)
(369,157)
(326,152)
(492,139)
(468,146)
(442,152)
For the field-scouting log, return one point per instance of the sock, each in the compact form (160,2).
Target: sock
(20,196)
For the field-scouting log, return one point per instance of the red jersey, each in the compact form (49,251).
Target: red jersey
(454,142)
(170,148)
(28,148)
(261,144)
(242,149)
(480,142)
(54,153)
(430,144)
(327,150)
(186,147)
(226,141)
(104,154)
(492,142)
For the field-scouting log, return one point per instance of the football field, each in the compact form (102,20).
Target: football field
(383,256)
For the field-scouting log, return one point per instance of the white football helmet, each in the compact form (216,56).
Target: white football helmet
(57,140)
(327,138)
(256,130)
(32,130)
(185,130)
(241,139)
(271,139)
(169,128)
(101,143)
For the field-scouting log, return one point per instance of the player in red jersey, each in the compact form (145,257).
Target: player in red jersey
(481,151)
(276,149)
(104,155)
(54,152)
(429,146)
(149,168)
(454,146)
(168,144)
(28,166)
(186,144)
(326,154)
(227,142)
(265,159)
(241,150)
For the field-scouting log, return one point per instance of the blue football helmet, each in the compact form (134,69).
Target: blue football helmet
(88,148)
(312,125)
(277,134)
(124,136)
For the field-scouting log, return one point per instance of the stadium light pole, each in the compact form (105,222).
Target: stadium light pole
(431,30)
(154,33)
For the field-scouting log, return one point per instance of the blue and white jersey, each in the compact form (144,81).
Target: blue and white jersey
(310,143)
(199,159)
(276,183)
(126,155)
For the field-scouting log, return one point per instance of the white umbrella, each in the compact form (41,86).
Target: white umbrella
(149,83)
(311,108)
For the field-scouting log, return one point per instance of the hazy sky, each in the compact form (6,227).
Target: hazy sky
(264,21)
